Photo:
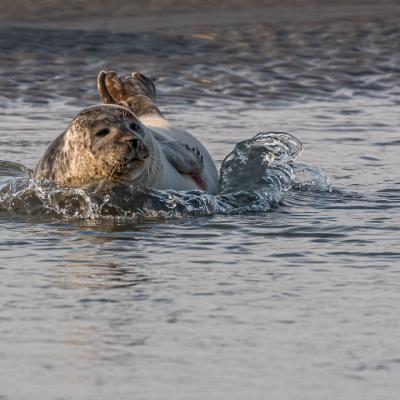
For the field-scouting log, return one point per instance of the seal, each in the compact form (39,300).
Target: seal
(127,140)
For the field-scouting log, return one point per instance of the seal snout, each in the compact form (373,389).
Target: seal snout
(138,149)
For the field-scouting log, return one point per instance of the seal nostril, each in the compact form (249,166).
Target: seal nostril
(135,143)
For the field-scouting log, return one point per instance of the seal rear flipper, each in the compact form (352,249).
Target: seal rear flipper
(102,89)
(146,83)
(136,92)
(185,159)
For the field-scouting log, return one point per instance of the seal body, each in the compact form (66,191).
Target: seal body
(185,162)
(110,143)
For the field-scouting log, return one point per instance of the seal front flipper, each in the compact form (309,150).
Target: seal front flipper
(185,159)
(136,92)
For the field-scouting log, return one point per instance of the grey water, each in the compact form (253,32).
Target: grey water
(294,297)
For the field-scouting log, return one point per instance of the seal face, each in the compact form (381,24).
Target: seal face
(105,142)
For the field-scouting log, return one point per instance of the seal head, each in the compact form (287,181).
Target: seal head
(105,142)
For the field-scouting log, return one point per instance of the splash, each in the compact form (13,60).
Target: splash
(254,177)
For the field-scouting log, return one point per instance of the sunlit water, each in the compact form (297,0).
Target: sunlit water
(295,296)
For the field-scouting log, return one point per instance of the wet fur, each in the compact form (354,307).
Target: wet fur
(77,158)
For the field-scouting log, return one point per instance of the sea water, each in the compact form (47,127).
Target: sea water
(283,286)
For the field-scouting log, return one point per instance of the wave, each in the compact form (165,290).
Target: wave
(254,177)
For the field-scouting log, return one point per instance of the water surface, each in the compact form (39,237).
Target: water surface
(300,301)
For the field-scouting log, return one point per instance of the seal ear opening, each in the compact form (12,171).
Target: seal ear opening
(102,89)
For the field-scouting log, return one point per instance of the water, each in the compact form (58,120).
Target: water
(294,301)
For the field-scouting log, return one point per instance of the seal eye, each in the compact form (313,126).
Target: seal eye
(134,126)
(102,132)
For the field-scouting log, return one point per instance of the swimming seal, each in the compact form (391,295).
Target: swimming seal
(128,140)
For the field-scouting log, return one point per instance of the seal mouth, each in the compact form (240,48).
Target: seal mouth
(139,153)
(134,161)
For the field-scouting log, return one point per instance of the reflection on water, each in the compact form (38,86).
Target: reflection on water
(297,302)
(80,274)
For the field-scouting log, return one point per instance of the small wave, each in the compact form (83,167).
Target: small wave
(254,178)
(310,178)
